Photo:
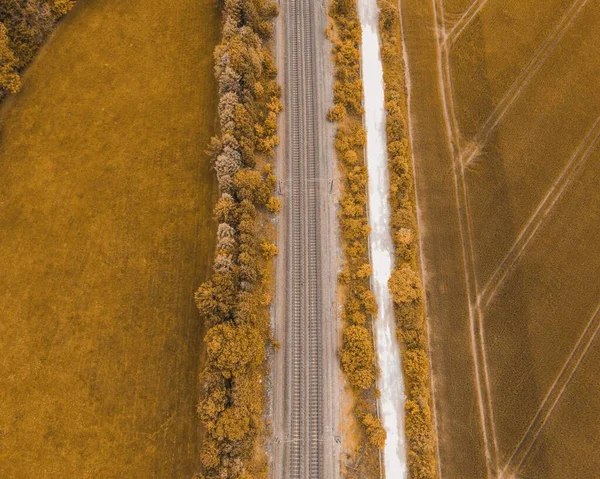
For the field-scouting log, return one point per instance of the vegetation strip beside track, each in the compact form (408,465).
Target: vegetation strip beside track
(234,302)
(358,360)
(359,307)
(405,283)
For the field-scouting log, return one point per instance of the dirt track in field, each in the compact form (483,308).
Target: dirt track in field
(505,145)
(457,404)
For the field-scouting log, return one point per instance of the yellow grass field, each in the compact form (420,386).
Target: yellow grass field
(105,233)
(506,125)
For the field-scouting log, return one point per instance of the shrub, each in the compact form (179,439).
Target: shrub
(249,185)
(274,204)
(375,430)
(269,250)
(233,348)
(209,454)
(337,112)
(358,357)
(405,285)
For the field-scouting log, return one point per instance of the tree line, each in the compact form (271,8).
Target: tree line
(405,284)
(234,302)
(24,26)
(357,355)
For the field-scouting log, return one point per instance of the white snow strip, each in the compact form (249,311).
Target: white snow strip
(382,251)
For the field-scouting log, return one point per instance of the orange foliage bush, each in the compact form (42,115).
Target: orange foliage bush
(405,284)
(231,349)
(375,430)
(358,358)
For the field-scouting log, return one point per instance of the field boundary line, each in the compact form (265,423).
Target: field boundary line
(463,22)
(553,196)
(475,317)
(554,393)
(517,87)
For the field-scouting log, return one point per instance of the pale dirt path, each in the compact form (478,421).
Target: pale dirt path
(466,233)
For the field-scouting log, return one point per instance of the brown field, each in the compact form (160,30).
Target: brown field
(505,115)
(105,233)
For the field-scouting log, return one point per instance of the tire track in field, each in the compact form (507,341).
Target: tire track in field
(475,316)
(513,93)
(463,22)
(554,394)
(554,194)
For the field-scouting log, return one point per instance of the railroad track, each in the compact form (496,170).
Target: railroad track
(303,455)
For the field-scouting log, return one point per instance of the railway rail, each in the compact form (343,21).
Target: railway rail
(303,455)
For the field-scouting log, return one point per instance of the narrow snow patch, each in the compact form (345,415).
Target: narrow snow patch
(382,251)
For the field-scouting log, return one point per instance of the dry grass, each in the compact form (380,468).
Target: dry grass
(498,44)
(456,8)
(551,455)
(524,86)
(550,294)
(105,232)
(544,126)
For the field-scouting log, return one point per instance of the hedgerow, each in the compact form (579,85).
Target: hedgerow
(357,355)
(234,302)
(405,284)
(24,26)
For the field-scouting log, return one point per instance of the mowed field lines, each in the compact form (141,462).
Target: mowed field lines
(105,233)
(517,87)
